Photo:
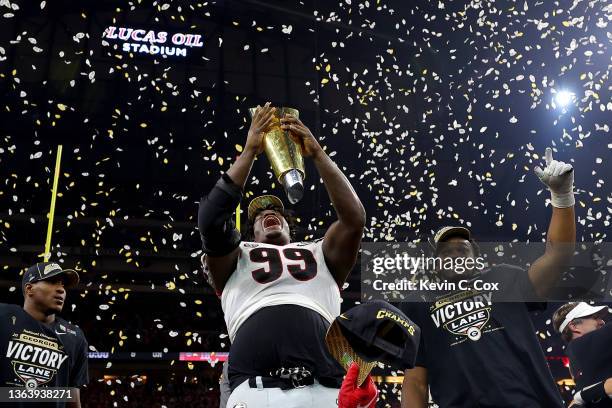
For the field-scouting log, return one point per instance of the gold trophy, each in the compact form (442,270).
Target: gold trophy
(285,155)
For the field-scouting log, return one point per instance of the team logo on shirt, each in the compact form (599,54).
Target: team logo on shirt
(64,330)
(35,358)
(463,314)
(303,243)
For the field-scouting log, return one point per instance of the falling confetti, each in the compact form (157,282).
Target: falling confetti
(437,112)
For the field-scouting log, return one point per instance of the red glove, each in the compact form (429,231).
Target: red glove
(352,396)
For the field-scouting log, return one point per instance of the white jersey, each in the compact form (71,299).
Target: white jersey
(270,275)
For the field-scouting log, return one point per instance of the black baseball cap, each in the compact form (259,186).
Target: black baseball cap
(451,231)
(444,233)
(378,331)
(46,270)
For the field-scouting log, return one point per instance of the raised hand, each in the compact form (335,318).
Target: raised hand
(261,121)
(301,135)
(558,176)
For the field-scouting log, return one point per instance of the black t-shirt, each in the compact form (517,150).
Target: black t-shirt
(283,336)
(35,354)
(591,359)
(482,353)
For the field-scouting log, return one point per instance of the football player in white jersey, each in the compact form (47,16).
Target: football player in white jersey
(279,297)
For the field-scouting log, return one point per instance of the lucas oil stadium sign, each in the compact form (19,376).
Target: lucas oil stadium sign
(153,42)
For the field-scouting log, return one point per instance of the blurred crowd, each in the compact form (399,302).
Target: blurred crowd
(149,395)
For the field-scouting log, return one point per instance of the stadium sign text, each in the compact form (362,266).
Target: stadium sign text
(153,42)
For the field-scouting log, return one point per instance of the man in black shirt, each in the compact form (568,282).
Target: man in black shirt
(476,352)
(589,348)
(38,348)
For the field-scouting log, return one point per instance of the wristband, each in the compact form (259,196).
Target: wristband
(593,393)
(562,200)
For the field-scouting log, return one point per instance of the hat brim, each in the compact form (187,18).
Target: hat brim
(262,202)
(72,277)
(453,232)
(590,311)
(342,351)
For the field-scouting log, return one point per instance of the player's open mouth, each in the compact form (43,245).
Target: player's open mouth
(59,299)
(271,221)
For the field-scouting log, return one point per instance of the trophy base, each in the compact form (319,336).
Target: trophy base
(294,185)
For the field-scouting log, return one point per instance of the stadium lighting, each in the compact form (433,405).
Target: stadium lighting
(563,98)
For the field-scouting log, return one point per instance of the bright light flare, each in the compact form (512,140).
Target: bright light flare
(564,98)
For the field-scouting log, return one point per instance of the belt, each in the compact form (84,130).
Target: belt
(290,378)
(284,378)
(282,383)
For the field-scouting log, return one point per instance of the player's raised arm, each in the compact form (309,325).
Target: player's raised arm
(220,239)
(546,270)
(343,237)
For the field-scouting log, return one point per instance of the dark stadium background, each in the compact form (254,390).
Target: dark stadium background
(436,111)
